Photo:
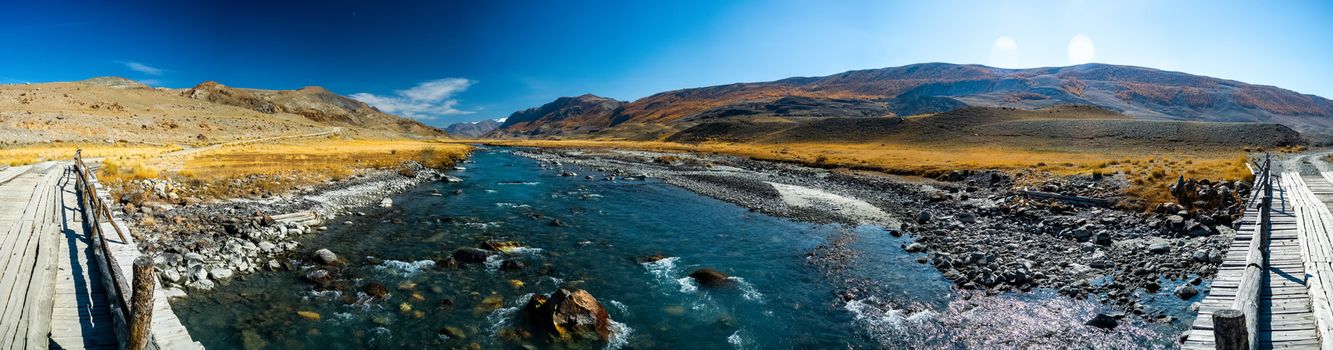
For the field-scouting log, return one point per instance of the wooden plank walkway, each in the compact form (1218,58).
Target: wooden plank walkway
(1285,316)
(82,317)
(27,255)
(52,293)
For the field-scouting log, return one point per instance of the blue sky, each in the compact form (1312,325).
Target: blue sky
(446,61)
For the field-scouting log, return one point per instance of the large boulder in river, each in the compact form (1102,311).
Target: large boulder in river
(711,278)
(325,256)
(471,255)
(569,316)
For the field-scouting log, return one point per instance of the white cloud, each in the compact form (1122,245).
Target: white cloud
(142,68)
(502,120)
(1081,50)
(427,100)
(1004,53)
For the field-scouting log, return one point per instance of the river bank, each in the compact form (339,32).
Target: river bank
(397,278)
(901,261)
(978,229)
(199,245)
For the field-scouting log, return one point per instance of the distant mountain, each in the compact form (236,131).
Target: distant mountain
(315,103)
(472,129)
(565,115)
(1136,92)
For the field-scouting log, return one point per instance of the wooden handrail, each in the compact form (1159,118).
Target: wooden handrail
(1237,327)
(131,336)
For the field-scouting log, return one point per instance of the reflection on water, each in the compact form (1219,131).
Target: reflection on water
(780,299)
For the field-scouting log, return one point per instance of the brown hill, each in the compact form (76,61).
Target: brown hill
(112,108)
(1136,92)
(1061,127)
(315,103)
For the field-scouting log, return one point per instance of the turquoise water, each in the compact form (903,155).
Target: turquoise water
(784,297)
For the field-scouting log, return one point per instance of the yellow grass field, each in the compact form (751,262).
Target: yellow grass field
(28,154)
(291,164)
(1149,172)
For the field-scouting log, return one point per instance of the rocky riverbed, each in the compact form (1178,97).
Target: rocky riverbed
(978,228)
(200,244)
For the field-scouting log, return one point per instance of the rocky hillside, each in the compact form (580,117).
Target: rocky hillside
(472,129)
(113,108)
(315,103)
(564,116)
(1059,127)
(1136,92)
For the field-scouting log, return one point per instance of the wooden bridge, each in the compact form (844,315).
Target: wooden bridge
(1272,290)
(66,265)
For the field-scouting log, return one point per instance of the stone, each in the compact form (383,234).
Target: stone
(569,316)
(471,255)
(1199,230)
(320,277)
(711,278)
(967,217)
(309,315)
(375,289)
(512,265)
(1159,247)
(202,285)
(1102,238)
(915,248)
(326,257)
(452,332)
(220,274)
(197,272)
(1103,321)
(923,217)
(1186,291)
(386,203)
(1175,222)
(170,275)
(266,220)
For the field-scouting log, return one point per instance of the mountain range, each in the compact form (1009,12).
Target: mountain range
(1132,92)
(472,129)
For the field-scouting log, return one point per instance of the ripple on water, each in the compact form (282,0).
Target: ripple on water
(1033,321)
(620,334)
(736,340)
(403,268)
(504,317)
(748,290)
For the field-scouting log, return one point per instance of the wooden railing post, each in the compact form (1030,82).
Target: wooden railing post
(1230,331)
(141,303)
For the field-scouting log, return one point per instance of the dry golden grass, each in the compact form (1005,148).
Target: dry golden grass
(28,154)
(236,170)
(332,157)
(1148,173)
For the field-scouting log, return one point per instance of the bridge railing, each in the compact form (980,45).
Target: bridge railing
(131,303)
(1237,328)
